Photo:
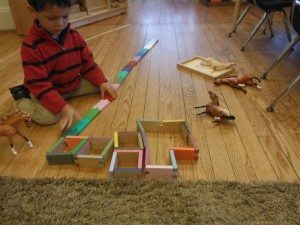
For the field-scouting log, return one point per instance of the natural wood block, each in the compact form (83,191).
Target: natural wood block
(160,171)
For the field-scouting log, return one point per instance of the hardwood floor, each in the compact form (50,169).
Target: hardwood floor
(258,146)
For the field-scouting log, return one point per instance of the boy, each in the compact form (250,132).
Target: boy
(57,65)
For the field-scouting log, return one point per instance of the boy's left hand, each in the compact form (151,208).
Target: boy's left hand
(109,88)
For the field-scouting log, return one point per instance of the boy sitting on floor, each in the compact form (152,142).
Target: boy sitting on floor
(57,65)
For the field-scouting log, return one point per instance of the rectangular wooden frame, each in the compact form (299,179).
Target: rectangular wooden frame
(192,65)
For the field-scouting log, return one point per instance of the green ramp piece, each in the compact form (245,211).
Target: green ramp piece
(78,147)
(121,76)
(54,147)
(78,127)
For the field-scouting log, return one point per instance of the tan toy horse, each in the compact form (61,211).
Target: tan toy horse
(239,82)
(9,127)
(215,110)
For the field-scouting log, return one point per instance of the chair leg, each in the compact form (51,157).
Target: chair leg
(266,23)
(286,26)
(240,20)
(258,25)
(270,24)
(281,56)
(287,90)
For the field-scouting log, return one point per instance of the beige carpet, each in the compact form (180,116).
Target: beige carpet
(69,201)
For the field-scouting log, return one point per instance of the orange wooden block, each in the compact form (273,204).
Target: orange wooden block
(183,153)
(73,141)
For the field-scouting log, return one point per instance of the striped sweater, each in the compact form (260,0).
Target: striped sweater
(55,67)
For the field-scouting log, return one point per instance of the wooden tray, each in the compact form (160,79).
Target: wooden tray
(194,65)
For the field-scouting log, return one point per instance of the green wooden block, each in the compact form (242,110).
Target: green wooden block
(92,113)
(121,76)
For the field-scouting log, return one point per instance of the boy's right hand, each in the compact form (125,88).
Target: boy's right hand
(67,117)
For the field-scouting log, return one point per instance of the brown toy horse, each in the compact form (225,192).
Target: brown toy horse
(215,110)
(239,82)
(9,127)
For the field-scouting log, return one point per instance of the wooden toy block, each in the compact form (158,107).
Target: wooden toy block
(147,160)
(136,59)
(145,139)
(89,161)
(151,44)
(182,153)
(107,151)
(102,104)
(113,163)
(116,140)
(128,68)
(160,171)
(73,141)
(150,125)
(140,127)
(96,153)
(128,140)
(143,52)
(185,131)
(172,125)
(116,85)
(192,143)
(121,77)
(62,154)
(202,66)
(78,127)
(173,160)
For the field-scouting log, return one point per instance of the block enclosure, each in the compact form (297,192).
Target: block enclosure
(82,150)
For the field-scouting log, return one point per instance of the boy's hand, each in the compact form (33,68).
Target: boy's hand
(67,115)
(109,88)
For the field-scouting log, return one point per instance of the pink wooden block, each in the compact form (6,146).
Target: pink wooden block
(116,85)
(147,156)
(160,171)
(102,104)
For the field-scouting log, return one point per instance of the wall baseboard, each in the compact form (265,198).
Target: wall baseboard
(6,19)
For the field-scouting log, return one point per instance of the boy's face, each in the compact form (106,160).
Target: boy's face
(53,18)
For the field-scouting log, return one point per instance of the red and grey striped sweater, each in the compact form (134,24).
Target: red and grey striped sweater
(55,67)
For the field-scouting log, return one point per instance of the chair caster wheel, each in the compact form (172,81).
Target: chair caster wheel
(242,48)
(264,76)
(269,109)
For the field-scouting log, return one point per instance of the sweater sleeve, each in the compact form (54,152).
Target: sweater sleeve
(36,80)
(89,69)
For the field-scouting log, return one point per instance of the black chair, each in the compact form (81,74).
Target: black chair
(295,20)
(242,16)
(270,7)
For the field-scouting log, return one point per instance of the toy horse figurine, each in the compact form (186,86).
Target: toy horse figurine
(239,82)
(215,65)
(9,127)
(214,109)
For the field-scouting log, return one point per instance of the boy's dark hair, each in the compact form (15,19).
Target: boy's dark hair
(39,5)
